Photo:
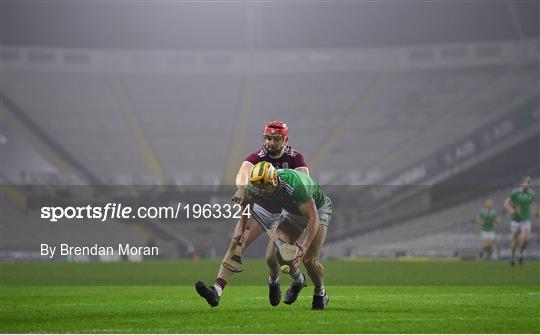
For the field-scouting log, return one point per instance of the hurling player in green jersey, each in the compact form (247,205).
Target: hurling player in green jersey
(519,204)
(276,150)
(306,208)
(486,219)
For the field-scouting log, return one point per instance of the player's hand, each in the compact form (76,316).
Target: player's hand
(240,235)
(240,197)
(298,261)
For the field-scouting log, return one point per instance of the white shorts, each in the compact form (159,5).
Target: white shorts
(487,235)
(270,220)
(516,226)
(300,221)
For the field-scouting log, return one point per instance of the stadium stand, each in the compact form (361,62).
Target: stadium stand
(447,232)
(150,120)
(178,118)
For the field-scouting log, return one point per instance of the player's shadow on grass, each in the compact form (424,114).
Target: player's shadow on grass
(264,309)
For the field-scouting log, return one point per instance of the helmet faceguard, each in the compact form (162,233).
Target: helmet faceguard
(263,174)
(277,129)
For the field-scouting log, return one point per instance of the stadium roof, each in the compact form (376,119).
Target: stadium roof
(263,25)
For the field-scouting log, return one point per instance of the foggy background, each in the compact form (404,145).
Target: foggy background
(410,113)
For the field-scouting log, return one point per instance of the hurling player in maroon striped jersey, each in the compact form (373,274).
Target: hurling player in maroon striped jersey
(275,150)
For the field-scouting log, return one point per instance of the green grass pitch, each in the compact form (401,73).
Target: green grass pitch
(368,296)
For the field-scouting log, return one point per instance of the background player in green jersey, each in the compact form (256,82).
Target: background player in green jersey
(519,204)
(486,219)
(306,208)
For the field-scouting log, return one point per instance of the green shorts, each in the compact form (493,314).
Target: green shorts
(300,221)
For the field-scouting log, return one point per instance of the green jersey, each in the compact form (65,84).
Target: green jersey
(294,189)
(488,219)
(522,200)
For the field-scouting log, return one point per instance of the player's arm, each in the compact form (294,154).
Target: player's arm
(242,177)
(508,206)
(303,169)
(479,220)
(242,180)
(300,164)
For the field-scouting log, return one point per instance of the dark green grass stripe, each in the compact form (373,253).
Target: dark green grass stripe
(178,309)
(377,272)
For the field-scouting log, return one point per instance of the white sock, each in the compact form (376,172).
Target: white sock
(273,281)
(320,291)
(297,276)
(218,288)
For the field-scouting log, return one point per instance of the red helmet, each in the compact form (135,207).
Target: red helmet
(276,128)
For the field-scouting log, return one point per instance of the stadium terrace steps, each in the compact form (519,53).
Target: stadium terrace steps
(186,122)
(443,232)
